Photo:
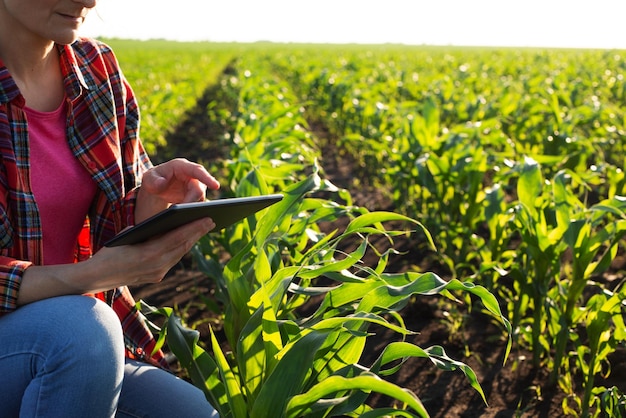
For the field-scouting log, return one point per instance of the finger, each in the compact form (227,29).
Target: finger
(154,181)
(183,170)
(196,191)
(201,174)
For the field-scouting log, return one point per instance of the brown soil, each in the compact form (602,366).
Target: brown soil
(512,389)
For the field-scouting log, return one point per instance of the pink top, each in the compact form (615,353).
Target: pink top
(62,187)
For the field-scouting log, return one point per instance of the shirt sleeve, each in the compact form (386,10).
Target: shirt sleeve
(11,269)
(130,203)
(11,273)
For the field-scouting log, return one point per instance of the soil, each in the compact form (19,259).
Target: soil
(512,389)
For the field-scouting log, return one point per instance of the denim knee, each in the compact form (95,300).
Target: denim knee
(91,334)
(68,355)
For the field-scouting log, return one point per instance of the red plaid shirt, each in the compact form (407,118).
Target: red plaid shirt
(102,132)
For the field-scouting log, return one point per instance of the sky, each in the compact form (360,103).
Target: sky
(545,23)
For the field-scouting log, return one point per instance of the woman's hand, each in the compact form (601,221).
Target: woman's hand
(148,262)
(112,267)
(175,181)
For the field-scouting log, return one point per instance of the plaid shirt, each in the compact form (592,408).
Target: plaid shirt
(102,132)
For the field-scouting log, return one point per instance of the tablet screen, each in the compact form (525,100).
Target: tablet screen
(224,212)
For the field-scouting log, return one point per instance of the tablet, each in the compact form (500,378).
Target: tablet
(224,212)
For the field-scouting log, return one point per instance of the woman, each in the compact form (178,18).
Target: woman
(73,173)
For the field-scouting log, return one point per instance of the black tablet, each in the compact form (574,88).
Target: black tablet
(224,212)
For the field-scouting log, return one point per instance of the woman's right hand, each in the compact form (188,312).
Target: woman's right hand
(111,267)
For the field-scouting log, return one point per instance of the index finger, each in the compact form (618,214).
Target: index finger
(184,170)
(202,175)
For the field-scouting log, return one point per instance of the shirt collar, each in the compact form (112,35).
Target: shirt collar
(75,77)
(8,88)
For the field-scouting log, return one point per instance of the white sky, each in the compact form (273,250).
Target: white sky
(551,23)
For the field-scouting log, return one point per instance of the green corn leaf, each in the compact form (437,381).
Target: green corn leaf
(358,319)
(234,392)
(530,185)
(239,290)
(268,325)
(362,222)
(277,285)
(389,296)
(288,377)
(350,259)
(299,404)
(342,348)
(292,197)
(201,367)
(312,290)
(563,209)
(250,355)
(262,268)
(271,337)
(436,354)
(615,205)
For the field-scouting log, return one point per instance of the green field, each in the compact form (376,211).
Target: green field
(508,162)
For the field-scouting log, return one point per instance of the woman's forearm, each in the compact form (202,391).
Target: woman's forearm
(42,282)
(113,267)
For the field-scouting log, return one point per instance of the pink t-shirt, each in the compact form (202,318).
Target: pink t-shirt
(62,187)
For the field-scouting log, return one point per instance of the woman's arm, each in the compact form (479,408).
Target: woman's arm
(109,268)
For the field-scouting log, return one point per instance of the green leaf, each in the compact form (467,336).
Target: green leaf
(288,376)
(402,350)
(350,259)
(530,185)
(429,283)
(342,348)
(362,222)
(358,319)
(299,404)
(201,367)
(234,391)
(251,359)
(291,200)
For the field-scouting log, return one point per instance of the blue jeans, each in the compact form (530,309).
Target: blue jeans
(64,357)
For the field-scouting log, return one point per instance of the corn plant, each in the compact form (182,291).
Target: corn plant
(593,240)
(538,268)
(555,221)
(603,316)
(441,180)
(283,364)
(611,402)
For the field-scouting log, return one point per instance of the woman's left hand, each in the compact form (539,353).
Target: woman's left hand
(175,181)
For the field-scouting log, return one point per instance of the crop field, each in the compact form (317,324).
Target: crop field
(447,212)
